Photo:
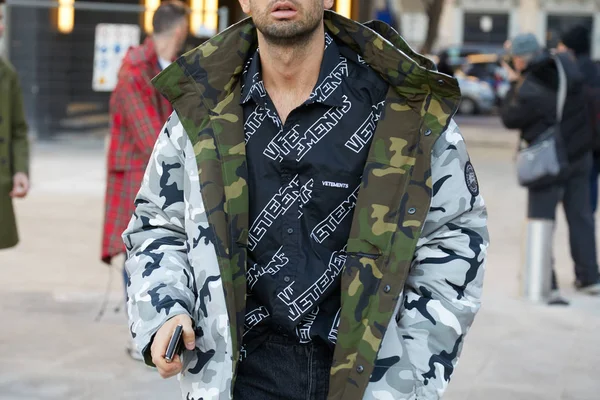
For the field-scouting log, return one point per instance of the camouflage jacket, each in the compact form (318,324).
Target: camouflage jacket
(411,284)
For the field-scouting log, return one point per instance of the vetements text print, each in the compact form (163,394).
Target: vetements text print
(276,207)
(334,328)
(305,195)
(331,83)
(303,329)
(335,184)
(254,317)
(285,142)
(254,122)
(278,261)
(333,220)
(364,134)
(306,300)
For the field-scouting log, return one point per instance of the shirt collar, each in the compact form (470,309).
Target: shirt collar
(254,88)
(163,63)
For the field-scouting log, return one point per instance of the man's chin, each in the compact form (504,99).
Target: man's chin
(287,34)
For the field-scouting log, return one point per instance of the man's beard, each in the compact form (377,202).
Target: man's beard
(290,33)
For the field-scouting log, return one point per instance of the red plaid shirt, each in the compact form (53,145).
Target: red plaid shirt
(138,112)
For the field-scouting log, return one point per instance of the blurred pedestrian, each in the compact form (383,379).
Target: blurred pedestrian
(531,107)
(577,42)
(137,112)
(443,65)
(14,150)
(316,234)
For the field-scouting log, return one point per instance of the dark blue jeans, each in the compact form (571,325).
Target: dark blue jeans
(283,369)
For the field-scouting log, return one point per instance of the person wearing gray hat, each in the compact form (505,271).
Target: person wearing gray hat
(522,49)
(531,107)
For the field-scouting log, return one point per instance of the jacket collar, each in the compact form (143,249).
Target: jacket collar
(217,67)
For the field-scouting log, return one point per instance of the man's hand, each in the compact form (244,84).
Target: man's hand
(20,185)
(512,75)
(161,341)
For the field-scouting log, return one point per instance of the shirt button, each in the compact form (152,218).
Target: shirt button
(290,230)
(286,279)
(412,210)
(427,132)
(360,369)
(387,288)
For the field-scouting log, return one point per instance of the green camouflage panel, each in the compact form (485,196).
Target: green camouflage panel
(207,104)
(204,88)
(398,172)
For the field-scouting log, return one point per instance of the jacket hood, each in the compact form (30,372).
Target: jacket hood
(543,68)
(215,66)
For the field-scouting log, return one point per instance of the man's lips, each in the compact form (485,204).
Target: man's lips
(284,14)
(283,10)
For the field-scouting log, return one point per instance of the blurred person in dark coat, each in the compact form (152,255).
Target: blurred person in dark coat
(576,41)
(444,66)
(14,150)
(137,113)
(530,106)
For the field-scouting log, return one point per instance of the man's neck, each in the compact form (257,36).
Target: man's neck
(292,69)
(164,48)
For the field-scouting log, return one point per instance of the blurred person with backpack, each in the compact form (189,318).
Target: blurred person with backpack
(14,149)
(137,113)
(531,106)
(576,41)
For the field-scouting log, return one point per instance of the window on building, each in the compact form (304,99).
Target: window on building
(485,28)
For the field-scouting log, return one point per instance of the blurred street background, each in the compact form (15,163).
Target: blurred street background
(53,283)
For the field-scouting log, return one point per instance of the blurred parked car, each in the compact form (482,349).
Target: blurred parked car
(478,97)
(457,55)
(488,68)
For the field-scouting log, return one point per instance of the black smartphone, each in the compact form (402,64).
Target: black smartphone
(175,344)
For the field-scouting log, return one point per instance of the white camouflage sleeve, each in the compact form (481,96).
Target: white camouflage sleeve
(443,290)
(161,280)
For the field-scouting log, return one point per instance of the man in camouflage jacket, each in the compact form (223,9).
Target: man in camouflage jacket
(412,280)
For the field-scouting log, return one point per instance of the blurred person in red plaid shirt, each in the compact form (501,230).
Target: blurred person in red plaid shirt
(137,113)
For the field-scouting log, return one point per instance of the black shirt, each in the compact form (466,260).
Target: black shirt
(303,184)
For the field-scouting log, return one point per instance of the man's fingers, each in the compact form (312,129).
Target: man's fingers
(160,343)
(168,370)
(189,338)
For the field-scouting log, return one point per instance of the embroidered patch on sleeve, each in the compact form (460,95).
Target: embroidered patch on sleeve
(471,179)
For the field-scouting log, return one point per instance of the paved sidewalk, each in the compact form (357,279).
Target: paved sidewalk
(53,284)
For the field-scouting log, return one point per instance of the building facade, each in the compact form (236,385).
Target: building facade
(491,22)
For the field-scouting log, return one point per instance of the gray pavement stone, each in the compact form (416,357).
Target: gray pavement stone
(52,286)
